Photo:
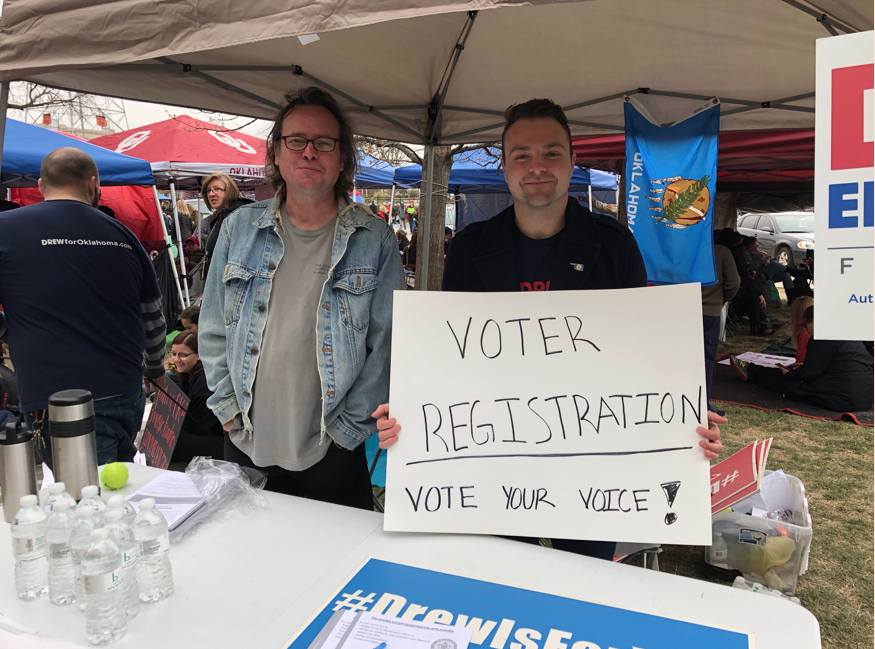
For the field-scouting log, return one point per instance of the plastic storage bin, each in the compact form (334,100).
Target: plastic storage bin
(767,552)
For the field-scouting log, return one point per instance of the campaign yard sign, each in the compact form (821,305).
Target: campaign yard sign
(844,188)
(567,414)
(162,428)
(504,617)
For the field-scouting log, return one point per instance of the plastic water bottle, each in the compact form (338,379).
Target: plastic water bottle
(101,578)
(86,523)
(58,491)
(128,511)
(153,547)
(91,497)
(59,532)
(29,549)
(123,537)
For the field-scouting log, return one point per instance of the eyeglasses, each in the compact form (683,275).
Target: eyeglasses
(321,144)
(216,190)
(180,355)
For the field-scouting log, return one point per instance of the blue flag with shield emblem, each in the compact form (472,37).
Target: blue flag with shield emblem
(671,183)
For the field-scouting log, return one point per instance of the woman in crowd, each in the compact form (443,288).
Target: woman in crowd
(223,196)
(837,374)
(800,333)
(401,236)
(201,432)
(185,212)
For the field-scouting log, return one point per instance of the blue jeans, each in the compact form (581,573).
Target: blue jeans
(711,329)
(776,271)
(117,421)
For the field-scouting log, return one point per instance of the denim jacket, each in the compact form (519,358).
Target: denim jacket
(353,318)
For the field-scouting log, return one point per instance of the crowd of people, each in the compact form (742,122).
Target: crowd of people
(288,371)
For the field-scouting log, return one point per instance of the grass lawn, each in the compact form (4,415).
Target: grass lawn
(834,460)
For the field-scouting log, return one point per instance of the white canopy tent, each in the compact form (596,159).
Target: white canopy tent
(456,64)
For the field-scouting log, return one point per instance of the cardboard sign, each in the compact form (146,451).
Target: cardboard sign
(162,428)
(505,617)
(567,414)
(739,476)
(844,188)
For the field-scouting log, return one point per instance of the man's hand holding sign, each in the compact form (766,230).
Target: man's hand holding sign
(537,415)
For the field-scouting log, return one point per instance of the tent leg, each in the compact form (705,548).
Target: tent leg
(164,231)
(391,203)
(181,257)
(589,193)
(4,103)
(425,218)
(200,218)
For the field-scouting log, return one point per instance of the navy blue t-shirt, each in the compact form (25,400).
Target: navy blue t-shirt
(533,260)
(71,283)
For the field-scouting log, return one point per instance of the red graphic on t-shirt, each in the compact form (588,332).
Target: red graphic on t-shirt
(535,286)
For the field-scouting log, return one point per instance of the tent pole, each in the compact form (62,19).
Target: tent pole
(180,257)
(164,232)
(425,218)
(200,218)
(589,192)
(4,103)
(391,203)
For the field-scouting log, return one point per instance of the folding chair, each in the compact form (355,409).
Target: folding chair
(628,552)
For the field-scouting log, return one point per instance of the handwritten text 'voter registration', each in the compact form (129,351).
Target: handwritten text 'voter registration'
(568,414)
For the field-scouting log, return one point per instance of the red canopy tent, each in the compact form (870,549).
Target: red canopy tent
(134,207)
(747,161)
(184,149)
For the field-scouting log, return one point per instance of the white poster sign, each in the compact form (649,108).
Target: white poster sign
(844,271)
(566,414)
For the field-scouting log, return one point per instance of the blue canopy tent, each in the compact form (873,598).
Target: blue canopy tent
(481,190)
(373,173)
(25,146)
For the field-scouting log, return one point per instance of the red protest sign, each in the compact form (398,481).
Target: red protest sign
(162,429)
(738,476)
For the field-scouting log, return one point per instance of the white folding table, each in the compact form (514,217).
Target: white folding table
(253,581)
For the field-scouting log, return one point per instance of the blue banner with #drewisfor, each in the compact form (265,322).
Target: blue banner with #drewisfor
(504,617)
(671,185)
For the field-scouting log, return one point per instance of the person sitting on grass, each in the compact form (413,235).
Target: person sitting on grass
(800,335)
(749,300)
(201,433)
(189,318)
(837,374)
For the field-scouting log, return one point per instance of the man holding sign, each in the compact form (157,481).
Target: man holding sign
(544,242)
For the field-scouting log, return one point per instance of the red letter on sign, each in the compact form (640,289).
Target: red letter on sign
(849,150)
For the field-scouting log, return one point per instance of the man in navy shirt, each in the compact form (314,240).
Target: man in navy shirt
(82,305)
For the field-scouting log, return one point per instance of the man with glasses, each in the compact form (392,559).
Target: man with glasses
(295,327)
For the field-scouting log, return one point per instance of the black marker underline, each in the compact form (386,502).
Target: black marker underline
(485,457)
(852,248)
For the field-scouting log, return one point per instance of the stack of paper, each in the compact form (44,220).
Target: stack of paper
(763,360)
(739,476)
(175,496)
(353,630)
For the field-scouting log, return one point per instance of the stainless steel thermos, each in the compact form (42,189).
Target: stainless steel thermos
(74,443)
(17,466)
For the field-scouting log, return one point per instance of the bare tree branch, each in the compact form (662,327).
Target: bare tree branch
(386,151)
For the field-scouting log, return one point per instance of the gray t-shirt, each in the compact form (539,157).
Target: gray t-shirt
(287,396)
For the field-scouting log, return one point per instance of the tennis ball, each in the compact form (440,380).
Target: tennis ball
(114,475)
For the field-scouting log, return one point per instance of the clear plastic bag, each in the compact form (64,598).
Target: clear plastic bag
(227,488)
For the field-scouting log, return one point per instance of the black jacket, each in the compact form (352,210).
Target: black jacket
(199,420)
(594,252)
(216,226)
(836,375)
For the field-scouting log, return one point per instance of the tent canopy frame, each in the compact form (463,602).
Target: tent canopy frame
(435,108)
